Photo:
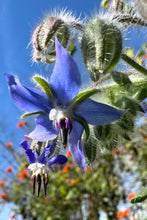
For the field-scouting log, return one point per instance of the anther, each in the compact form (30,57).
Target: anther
(39,184)
(34,183)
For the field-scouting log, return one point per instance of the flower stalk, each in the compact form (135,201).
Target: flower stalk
(135,65)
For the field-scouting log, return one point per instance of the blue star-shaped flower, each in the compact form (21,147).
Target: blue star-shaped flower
(39,165)
(59,117)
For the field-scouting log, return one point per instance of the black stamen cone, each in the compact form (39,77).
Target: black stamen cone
(39,184)
(63,132)
(45,182)
(34,183)
(63,135)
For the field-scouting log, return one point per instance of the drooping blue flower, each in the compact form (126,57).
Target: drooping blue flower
(39,165)
(61,116)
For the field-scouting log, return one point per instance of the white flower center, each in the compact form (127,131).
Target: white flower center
(38,169)
(56,114)
(62,123)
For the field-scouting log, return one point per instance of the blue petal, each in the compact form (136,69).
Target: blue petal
(31,156)
(59,159)
(44,130)
(49,149)
(75,145)
(27,99)
(97,113)
(65,79)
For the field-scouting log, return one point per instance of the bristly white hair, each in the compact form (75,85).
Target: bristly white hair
(65,15)
(68,18)
(40,76)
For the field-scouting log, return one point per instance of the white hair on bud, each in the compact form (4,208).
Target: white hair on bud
(40,76)
(65,15)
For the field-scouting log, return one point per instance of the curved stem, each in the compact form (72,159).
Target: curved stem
(129,19)
(135,65)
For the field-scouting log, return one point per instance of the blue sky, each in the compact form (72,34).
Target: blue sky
(17,21)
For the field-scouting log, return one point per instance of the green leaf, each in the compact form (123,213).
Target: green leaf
(90,149)
(44,85)
(121,79)
(103,132)
(140,197)
(62,190)
(84,95)
(128,103)
(83,122)
(141,94)
(26,114)
(127,122)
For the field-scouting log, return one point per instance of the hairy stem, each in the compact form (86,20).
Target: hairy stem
(135,65)
(129,19)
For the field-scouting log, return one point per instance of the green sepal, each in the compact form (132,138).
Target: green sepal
(84,124)
(140,197)
(49,61)
(26,114)
(44,85)
(52,53)
(121,79)
(84,95)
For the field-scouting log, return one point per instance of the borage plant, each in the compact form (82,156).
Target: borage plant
(62,110)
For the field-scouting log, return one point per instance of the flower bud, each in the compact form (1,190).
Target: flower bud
(43,37)
(101,46)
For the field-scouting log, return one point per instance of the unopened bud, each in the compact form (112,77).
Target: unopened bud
(43,38)
(54,25)
(101,46)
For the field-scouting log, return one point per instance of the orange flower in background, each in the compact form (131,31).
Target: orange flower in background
(68,154)
(3,195)
(66,168)
(9,144)
(131,196)
(145,56)
(22,174)
(73,182)
(47,199)
(2,183)
(117,151)
(21,124)
(13,216)
(9,169)
(122,214)
(88,169)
